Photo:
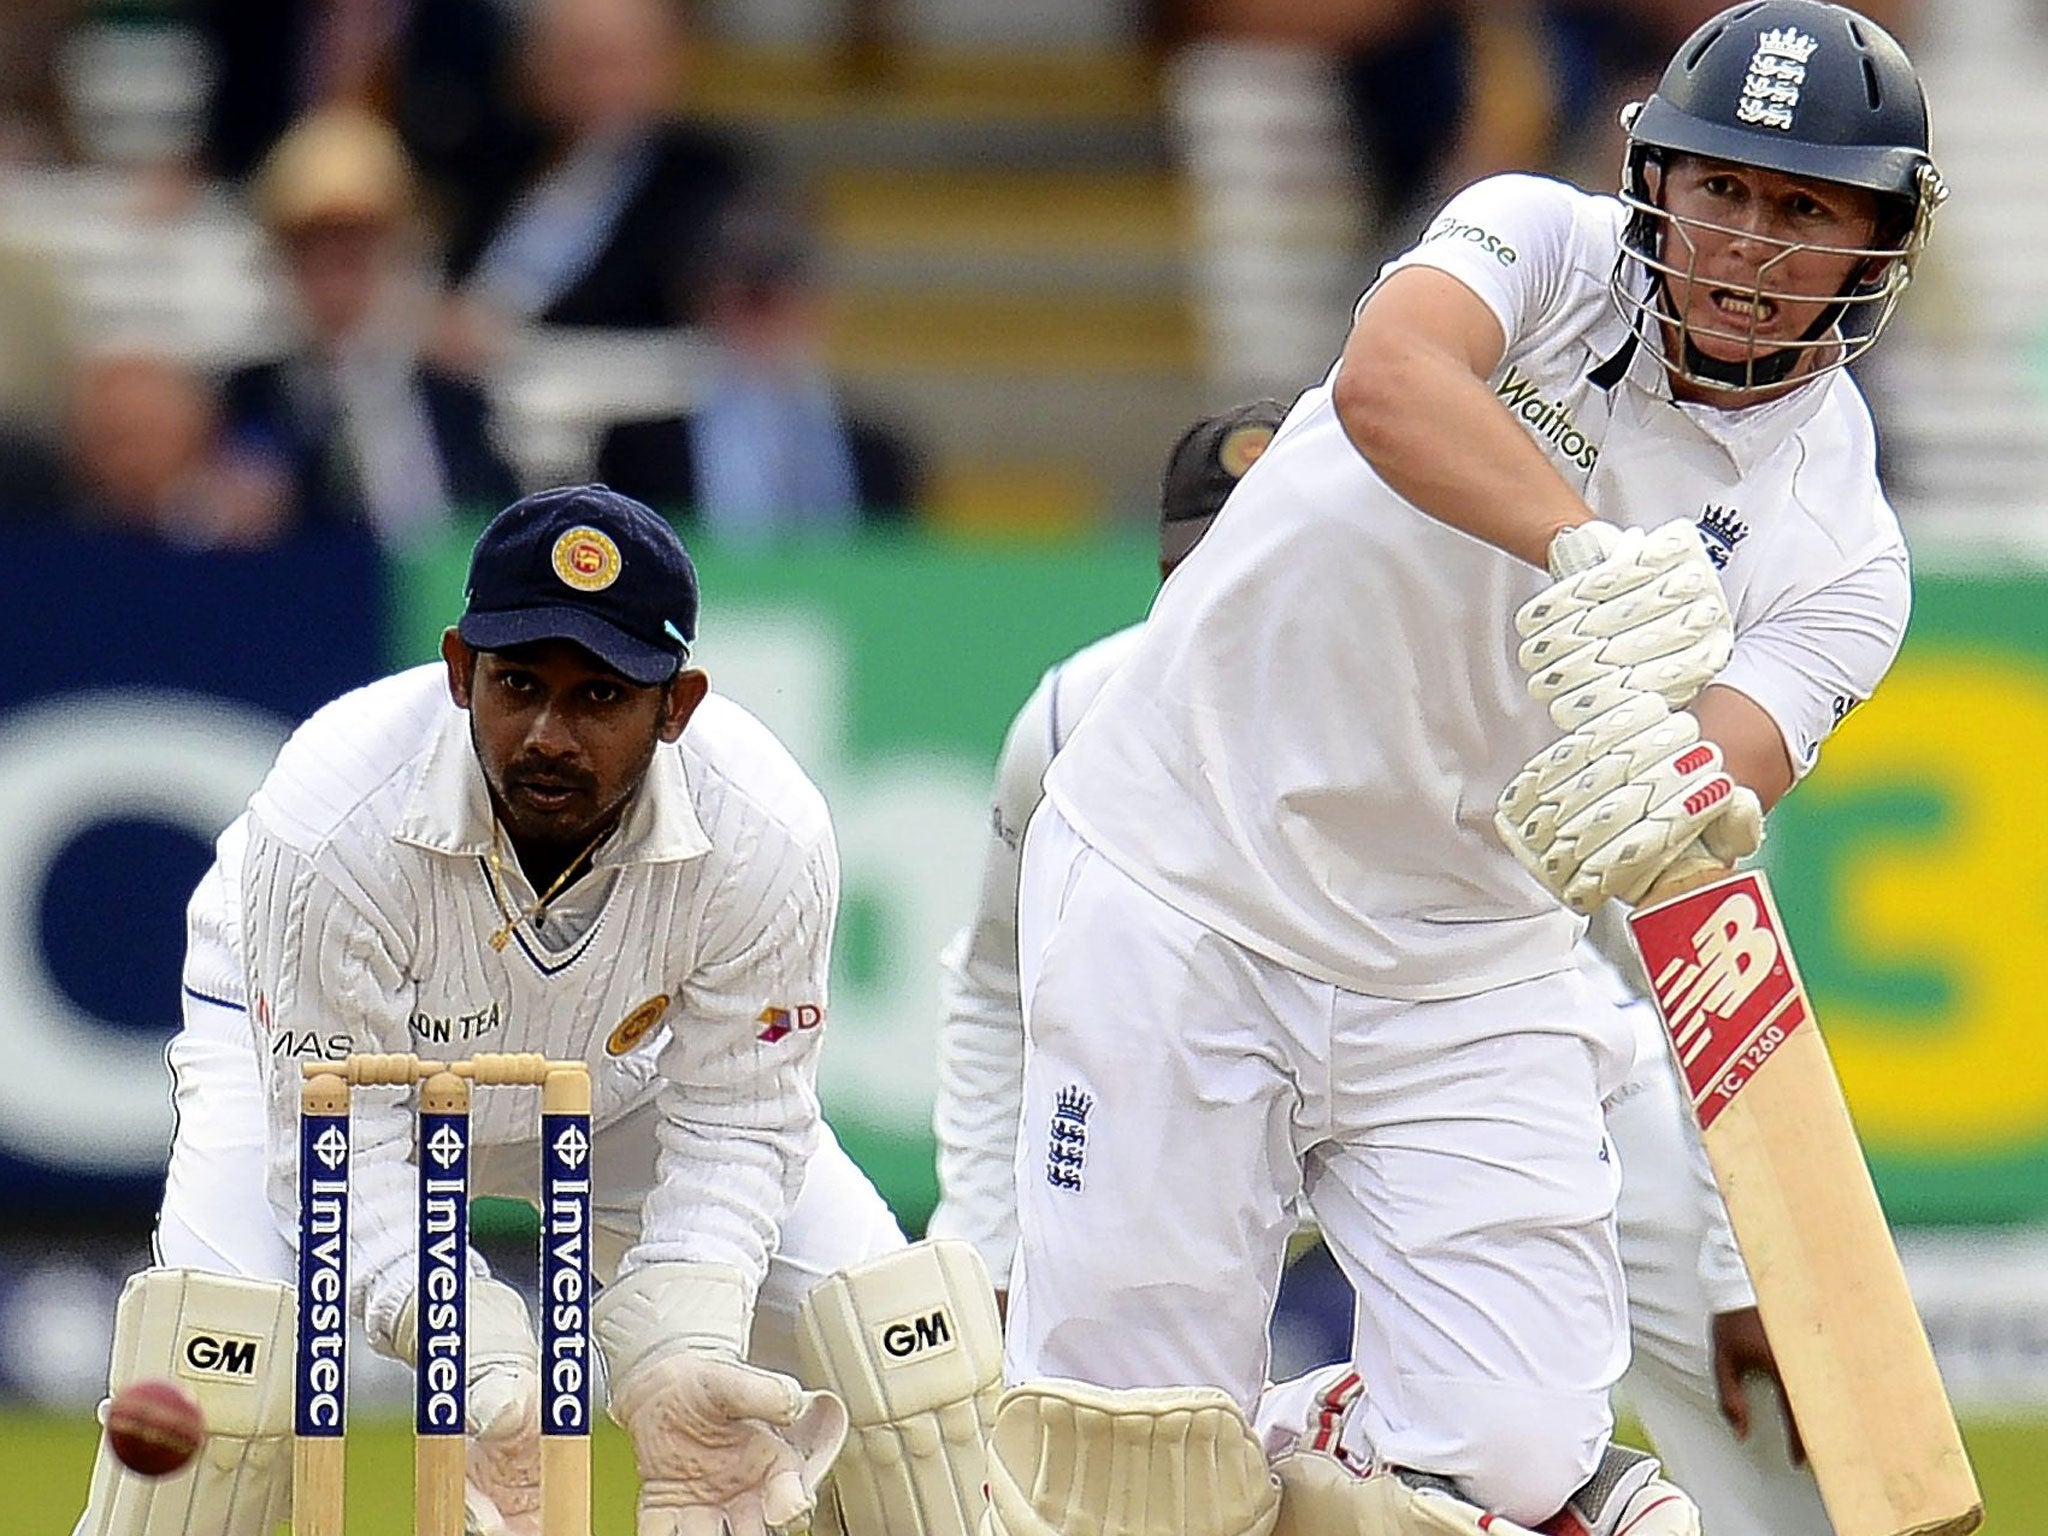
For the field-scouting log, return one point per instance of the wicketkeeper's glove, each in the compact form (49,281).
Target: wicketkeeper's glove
(502,1497)
(721,1445)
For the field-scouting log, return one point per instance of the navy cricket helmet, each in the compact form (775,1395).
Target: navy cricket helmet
(1808,89)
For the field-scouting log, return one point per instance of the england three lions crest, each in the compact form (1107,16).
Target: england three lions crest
(1777,70)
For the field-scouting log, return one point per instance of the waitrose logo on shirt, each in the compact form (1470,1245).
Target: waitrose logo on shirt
(1547,419)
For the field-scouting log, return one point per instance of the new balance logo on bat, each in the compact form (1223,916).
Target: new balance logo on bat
(1733,953)
(1724,984)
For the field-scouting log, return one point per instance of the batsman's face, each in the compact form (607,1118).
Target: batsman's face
(562,739)
(1756,257)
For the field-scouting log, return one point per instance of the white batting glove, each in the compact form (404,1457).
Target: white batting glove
(1605,811)
(1631,612)
(722,1446)
(503,1493)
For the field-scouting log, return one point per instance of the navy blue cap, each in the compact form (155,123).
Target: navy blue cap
(1204,468)
(585,564)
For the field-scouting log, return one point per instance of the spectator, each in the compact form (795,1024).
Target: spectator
(32,126)
(364,433)
(36,344)
(770,451)
(442,68)
(33,484)
(144,452)
(602,223)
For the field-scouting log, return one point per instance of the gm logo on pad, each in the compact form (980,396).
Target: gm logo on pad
(926,1333)
(217,1354)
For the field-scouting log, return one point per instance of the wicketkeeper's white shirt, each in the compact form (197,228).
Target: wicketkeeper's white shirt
(688,965)
(1304,750)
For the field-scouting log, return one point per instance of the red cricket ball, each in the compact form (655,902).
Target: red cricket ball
(154,1427)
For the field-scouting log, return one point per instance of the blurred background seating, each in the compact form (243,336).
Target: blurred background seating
(1049,232)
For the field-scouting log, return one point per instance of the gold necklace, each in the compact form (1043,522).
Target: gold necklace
(502,935)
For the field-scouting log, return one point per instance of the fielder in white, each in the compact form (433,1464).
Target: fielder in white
(1273,942)
(556,841)
(1692,1314)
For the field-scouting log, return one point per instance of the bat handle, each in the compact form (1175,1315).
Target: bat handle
(1693,868)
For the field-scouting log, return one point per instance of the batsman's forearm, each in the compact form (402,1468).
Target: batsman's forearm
(1751,744)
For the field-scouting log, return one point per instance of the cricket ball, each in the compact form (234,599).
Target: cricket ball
(154,1427)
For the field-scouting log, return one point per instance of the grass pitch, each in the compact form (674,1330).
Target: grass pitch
(44,1463)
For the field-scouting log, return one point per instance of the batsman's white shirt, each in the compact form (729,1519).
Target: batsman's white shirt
(688,966)
(1304,749)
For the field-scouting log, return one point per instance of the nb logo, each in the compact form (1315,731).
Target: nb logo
(1733,953)
(913,1336)
(219,1356)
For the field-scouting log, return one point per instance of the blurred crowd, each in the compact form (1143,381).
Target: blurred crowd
(433,180)
(1442,92)
(437,181)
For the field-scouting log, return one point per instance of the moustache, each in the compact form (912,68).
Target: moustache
(545,776)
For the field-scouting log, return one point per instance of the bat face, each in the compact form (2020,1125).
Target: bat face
(1724,982)
(1861,1379)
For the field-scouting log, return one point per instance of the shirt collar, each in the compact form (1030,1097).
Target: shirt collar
(449,808)
(1749,435)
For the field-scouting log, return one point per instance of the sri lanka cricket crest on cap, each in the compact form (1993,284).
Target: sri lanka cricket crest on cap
(1241,447)
(637,1025)
(587,559)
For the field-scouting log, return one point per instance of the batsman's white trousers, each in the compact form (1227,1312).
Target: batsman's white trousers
(1180,1090)
(215,1215)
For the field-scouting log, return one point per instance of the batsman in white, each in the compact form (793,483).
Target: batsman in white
(1692,1315)
(557,840)
(1271,943)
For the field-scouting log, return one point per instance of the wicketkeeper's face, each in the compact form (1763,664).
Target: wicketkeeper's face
(562,739)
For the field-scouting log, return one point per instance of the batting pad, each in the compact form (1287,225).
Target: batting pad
(229,1342)
(1073,1460)
(1319,1496)
(911,1342)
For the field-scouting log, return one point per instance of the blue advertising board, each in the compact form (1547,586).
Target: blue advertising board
(144,692)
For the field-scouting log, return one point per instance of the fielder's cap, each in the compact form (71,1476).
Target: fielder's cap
(585,564)
(1204,468)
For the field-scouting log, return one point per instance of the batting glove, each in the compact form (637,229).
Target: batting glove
(1631,612)
(1605,811)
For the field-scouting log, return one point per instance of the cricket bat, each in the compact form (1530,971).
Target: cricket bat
(1861,1378)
